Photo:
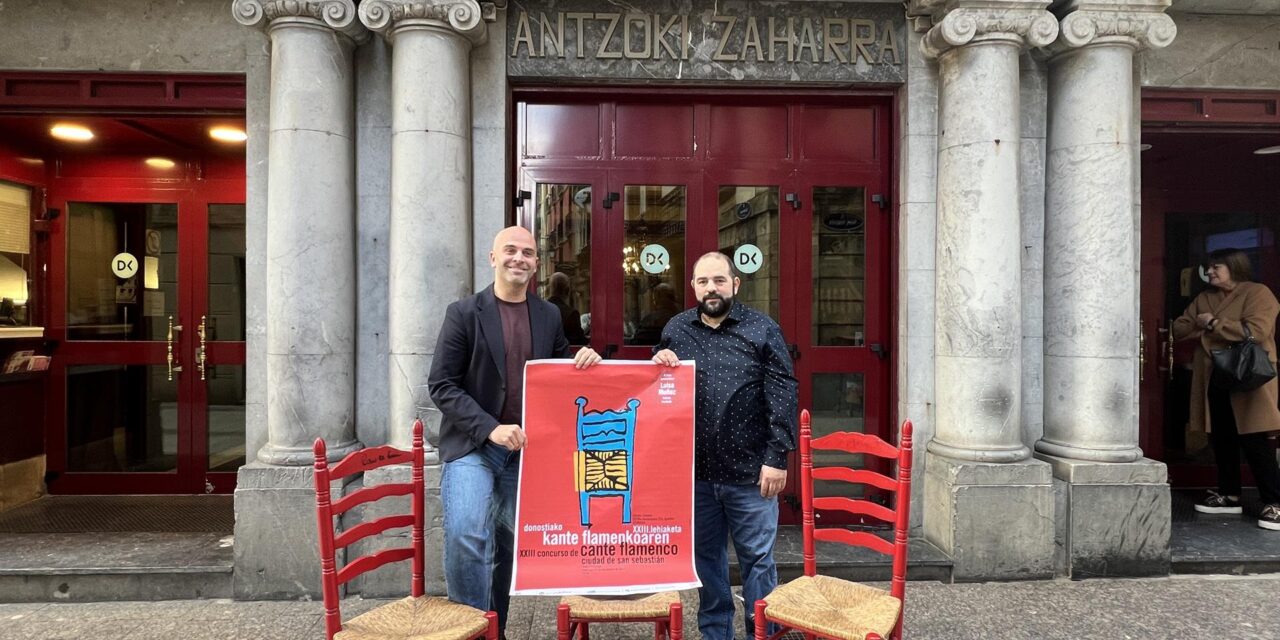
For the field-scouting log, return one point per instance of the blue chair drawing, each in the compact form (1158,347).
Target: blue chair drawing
(604,459)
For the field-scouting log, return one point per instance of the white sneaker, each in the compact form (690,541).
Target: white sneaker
(1270,518)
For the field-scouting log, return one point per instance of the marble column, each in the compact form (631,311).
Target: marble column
(1090,321)
(430,233)
(309,290)
(987,503)
(978,258)
(1113,504)
(310,226)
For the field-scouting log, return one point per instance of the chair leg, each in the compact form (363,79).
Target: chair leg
(584,631)
(491,633)
(562,622)
(676,628)
(762,625)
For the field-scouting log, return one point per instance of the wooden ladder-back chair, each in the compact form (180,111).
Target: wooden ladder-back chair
(828,607)
(576,613)
(416,616)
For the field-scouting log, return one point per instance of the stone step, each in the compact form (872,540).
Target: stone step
(117,566)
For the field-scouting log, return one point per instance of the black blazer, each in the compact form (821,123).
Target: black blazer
(468,373)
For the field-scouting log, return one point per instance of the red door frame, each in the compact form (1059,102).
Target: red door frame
(1191,112)
(192,196)
(877,177)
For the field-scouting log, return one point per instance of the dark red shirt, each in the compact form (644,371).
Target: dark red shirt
(517,343)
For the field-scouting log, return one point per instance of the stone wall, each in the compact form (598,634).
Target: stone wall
(1217,52)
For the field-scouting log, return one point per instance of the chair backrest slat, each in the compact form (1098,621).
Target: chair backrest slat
(373,561)
(370,528)
(857,538)
(854,442)
(368,459)
(857,507)
(856,476)
(331,576)
(369,494)
(899,486)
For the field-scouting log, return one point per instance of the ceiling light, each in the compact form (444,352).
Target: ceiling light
(71,132)
(1266,151)
(1143,147)
(159,163)
(228,134)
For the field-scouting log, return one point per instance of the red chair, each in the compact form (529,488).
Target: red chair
(576,613)
(828,607)
(416,616)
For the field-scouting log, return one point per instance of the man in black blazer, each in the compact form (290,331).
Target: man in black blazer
(477,382)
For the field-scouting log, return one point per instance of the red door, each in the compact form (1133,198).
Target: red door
(147,299)
(791,196)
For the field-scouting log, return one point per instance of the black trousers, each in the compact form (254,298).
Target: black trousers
(1227,445)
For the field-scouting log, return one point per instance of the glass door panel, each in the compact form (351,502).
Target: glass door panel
(562,229)
(748,231)
(653,259)
(219,353)
(122,270)
(839,266)
(121,418)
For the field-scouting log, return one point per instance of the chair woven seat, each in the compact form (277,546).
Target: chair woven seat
(654,605)
(834,607)
(424,618)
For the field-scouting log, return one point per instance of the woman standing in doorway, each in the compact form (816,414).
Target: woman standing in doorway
(1236,421)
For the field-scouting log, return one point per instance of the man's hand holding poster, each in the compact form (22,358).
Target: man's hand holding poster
(606,480)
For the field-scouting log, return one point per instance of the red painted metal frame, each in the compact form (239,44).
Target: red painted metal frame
(867,445)
(790,174)
(361,461)
(77,92)
(1189,111)
(193,195)
(669,626)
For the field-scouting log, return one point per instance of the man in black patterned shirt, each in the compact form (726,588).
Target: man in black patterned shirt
(745,427)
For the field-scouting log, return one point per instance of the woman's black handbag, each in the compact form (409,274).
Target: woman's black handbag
(1244,366)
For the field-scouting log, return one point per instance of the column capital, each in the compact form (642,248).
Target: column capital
(1141,24)
(957,23)
(338,15)
(465,17)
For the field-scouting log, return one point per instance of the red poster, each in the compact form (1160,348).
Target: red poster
(606,480)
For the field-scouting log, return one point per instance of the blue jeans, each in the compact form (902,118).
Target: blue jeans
(478,492)
(737,512)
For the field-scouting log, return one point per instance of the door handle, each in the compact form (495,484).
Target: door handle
(200,353)
(879,350)
(168,355)
(1169,349)
(794,350)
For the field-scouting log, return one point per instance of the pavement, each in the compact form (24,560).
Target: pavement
(1188,606)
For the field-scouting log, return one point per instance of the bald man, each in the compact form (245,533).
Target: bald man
(477,382)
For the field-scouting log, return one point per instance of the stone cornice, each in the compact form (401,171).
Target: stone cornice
(339,15)
(1138,24)
(956,24)
(466,17)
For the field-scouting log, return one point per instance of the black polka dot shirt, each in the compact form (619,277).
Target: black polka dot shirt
(746,393)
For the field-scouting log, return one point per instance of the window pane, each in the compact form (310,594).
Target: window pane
(103,306)
(748,224)
(225,384)
(652,260)
(562,226)
(837,406)
(226,272)
(839,266)
(121,418)
(16,263)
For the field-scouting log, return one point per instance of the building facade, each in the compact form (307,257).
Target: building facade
(947,206)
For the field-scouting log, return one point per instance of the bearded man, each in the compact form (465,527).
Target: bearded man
(745,427)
